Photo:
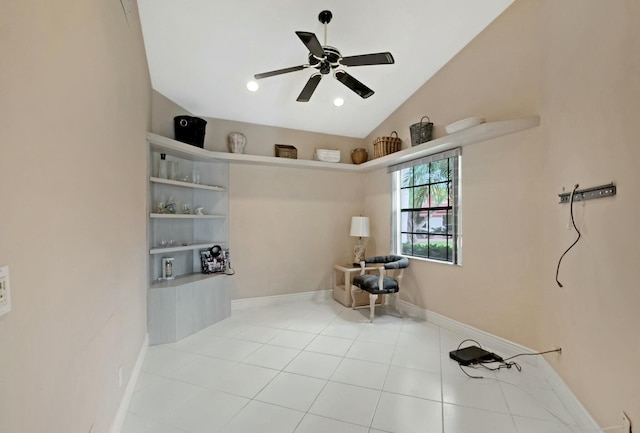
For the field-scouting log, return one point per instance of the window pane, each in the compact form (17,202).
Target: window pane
(406,177)
(407,247)
(406,222)
(421,197)
(438,246)
(436,218)
(420,222)
(439,171)
(405,202)
(420,248)
(439,195)
(421,174)
(449,222)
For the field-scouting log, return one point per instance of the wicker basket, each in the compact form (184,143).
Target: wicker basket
(421,132)
(386,145)
(286,151)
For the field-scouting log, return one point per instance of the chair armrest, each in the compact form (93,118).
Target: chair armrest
(362,266)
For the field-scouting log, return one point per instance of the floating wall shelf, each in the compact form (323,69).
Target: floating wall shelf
(186,184)
(483,132)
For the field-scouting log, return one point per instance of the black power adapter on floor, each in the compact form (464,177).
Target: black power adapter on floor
(473,355)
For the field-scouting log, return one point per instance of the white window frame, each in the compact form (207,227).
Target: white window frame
(396,229)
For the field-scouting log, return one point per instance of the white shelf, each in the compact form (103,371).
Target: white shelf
(476,134)
(184,216)
(186,184)
(483,132)
(164,250)
(183,279)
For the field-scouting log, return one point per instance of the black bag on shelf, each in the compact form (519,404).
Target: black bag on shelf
(190,130)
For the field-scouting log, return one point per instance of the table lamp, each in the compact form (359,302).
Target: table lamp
(359,229)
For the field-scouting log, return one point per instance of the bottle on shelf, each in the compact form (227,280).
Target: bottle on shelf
(163,167)
(167,268)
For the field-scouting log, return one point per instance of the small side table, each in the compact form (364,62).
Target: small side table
(342,279)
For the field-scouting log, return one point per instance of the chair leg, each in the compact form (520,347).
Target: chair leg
(372,305)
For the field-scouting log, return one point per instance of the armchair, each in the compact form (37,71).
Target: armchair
(383,283)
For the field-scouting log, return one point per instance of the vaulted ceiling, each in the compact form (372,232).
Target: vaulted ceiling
(202,53)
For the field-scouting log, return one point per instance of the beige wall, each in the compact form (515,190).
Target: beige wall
(287,226)
(74,110)
(499,233)
(575,63)
(591,104)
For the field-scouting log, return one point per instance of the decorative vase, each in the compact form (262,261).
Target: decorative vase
(359,155)
(236,141)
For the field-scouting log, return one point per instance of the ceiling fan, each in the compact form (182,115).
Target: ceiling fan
(325,59)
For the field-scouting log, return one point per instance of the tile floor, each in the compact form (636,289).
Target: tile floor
(317,367)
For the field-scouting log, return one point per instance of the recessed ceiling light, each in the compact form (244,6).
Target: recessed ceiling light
(252,86)
(338,102)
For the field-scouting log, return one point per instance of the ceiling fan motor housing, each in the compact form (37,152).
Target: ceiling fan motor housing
(330,60)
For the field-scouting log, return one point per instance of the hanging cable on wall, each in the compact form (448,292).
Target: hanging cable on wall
(575,227)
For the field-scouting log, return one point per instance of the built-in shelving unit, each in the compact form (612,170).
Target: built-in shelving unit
(192,300)
(476,134)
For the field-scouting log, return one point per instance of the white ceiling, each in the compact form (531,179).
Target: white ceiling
(201,54)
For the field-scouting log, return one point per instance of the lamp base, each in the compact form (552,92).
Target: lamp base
(358,253)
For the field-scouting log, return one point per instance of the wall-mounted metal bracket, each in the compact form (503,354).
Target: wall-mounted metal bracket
(589,193)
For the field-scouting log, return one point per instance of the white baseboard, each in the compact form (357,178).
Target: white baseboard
(486,340)
(265,301)
(508,348)
(121,415)
(583,418)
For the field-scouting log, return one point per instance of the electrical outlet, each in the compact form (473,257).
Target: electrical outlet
(626,423)
(5,291)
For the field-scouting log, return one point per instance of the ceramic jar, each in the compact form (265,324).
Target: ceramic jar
(236,141)
(359,155)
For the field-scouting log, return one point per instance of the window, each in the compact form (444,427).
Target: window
(426,198)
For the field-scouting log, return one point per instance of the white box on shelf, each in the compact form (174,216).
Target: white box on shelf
(327,155)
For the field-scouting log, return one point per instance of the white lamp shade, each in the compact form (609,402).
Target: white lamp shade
(360,226)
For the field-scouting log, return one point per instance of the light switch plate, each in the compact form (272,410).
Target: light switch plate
(5,292)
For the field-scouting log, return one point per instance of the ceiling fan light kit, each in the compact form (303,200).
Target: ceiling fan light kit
(326,59)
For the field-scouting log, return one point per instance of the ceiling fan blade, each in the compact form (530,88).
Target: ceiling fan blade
(312,43)
(279,71)
(355,85)
(309,88)
(368,59)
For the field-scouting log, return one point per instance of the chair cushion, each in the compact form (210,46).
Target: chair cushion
(369,283)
